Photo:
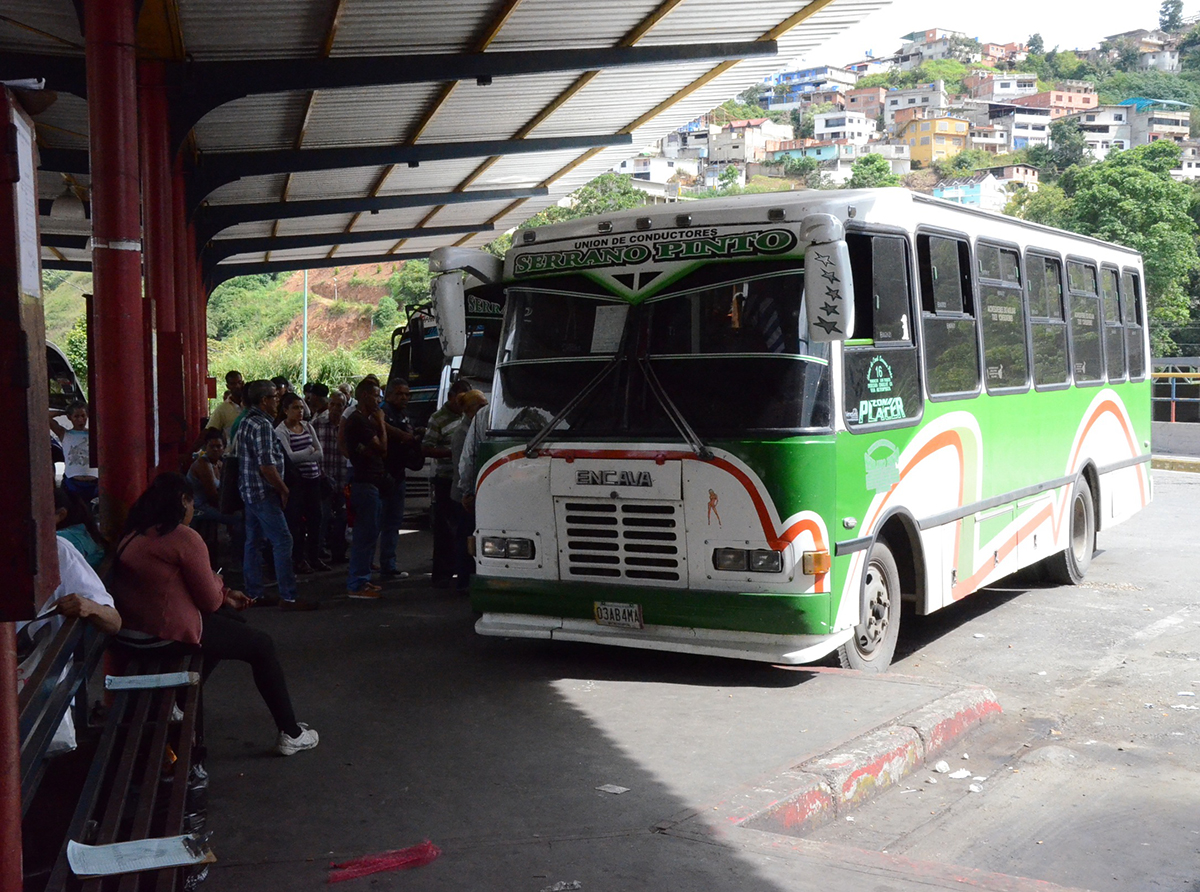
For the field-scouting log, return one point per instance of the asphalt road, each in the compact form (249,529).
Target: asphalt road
(494,749)
(1093,774)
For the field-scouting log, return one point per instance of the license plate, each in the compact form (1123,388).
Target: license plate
(625,616)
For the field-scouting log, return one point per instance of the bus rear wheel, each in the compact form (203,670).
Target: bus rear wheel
(874,641)
(1069,566)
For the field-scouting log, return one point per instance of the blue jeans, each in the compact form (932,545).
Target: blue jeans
(364,498)
(265,522)
(389,531)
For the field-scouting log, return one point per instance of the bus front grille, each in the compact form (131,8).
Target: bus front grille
(622,541)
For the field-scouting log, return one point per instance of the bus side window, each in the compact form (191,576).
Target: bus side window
(882,383)
(1085,321)
(1048,325)
(947,316)
(1135,345)
(1114,333)
(1002,316)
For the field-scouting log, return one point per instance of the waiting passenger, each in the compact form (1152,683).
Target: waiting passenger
(174,603)
(73,522)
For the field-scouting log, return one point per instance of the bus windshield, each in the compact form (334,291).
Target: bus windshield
(732,356)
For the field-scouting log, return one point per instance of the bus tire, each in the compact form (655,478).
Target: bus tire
(1070,565)
(874,641)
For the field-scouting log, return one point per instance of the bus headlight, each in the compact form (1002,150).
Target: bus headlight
(763,560)
(729,558)
(756,560)
(505,548)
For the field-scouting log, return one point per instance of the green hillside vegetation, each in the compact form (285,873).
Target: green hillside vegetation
(63,302)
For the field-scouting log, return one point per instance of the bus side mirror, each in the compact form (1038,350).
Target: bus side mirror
(828,286)
(450,309)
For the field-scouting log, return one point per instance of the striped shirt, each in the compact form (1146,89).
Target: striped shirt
(303,448)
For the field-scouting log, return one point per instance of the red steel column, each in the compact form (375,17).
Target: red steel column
(10,765)
(183,288)
(199,330)
(158,210)
(119,407)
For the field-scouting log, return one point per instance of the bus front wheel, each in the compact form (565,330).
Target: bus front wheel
(1071,565)
(874,642)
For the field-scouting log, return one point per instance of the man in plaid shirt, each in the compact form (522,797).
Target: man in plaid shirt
(260,483)
(333,467)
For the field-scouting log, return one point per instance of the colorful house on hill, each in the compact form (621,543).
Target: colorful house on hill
(981,190)
(934,138)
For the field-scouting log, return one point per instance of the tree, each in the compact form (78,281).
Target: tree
(1048,205)
(729,177)
(1123,51)
(1170,15)
(76,348)
(1130,198)
(410,283)
(1067,144)
(387,314)
(799,167)
(871,171)
(805,130)
(964,162)
(1036,44)
(963,49)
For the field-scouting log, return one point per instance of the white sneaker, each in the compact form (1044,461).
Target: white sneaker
(291,745)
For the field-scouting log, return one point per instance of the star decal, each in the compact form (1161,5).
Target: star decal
(829,274)
(829,325)
(831,309)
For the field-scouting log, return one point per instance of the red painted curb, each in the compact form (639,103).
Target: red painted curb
(831,785)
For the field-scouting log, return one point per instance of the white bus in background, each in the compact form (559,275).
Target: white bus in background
(431,356)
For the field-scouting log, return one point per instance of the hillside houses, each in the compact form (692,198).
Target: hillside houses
(831,120)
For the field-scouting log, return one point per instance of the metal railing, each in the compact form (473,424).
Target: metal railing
(1178,386)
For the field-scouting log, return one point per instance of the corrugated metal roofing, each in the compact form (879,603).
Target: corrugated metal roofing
(647,100)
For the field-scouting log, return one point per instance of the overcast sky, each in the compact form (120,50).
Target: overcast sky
(1068,25)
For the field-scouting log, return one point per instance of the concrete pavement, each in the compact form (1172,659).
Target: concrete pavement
(494,749)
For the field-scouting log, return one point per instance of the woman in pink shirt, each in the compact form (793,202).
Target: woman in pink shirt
(169,597)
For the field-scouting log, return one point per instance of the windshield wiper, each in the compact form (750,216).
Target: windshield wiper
(540,437)
(673,413)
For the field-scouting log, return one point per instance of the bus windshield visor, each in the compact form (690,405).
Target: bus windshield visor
(731,356)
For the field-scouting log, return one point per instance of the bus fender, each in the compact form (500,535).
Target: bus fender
(898,529)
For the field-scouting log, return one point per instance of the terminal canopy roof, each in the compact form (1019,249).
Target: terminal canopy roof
(332,132)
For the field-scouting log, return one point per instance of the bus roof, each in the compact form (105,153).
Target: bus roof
(892,206)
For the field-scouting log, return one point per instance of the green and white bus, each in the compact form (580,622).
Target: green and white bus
(752,427)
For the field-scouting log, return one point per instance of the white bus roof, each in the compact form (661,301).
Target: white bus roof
(890,206)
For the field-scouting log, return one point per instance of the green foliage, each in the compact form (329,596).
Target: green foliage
(607,192)
(799,167)
(387,314)
(1068,147)
(331,366)
(807,123)
(252,307)
(1130,198)
(740,109)
(1170,15)
(1153,84)
(75,346)
(1126,51)
(378,347)
(871,171)
(952,71)
(963,163)
(409,284)
(1036,44)
(52,278)
(1048,205)
(729,176)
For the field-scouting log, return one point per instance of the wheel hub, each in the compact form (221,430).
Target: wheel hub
(873,628)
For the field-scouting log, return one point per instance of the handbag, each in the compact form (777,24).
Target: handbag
(414,455)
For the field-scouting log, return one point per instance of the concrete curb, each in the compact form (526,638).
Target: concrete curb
(822,789)
(1175,463)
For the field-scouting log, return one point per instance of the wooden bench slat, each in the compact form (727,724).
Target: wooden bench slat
(89,797)
(165,881)
(44,679)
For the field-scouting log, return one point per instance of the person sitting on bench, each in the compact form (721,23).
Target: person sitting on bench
(169,594)
(81,594)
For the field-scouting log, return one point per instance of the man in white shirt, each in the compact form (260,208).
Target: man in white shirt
(81,594)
